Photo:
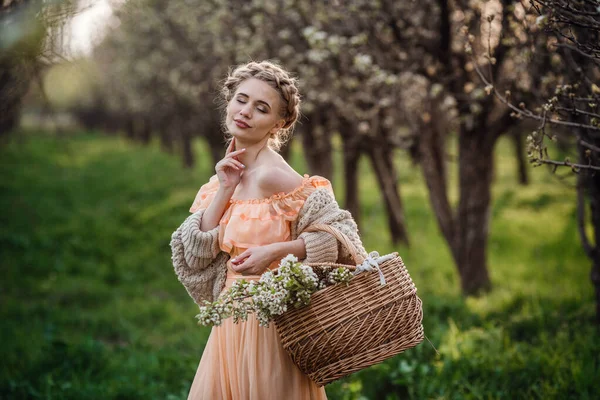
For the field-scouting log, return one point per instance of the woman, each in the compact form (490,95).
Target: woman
(249,210)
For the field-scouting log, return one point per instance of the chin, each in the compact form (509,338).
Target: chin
(235,132)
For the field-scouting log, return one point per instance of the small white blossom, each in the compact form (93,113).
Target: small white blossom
(540,20)
(363,62)
(363,127)
(290,258)
(266,277)
(340,275)
(291,285)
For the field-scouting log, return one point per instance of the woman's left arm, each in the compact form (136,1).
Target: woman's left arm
(255,260)
(295,247)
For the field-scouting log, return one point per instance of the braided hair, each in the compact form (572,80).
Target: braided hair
(280,80)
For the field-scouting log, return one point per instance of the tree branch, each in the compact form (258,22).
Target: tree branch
(568,46)
(589,146)
(527,113)
(445,33)
(565,164)
(576,111)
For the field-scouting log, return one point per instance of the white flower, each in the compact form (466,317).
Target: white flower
(266,277)
(284,34)
(291,285)
(340,275)
(320,35)
(363,127)
(289,259)
(540,20)
(363,62)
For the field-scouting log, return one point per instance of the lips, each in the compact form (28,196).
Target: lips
(241,124)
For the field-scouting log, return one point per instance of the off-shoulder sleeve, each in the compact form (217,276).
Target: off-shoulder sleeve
(205,194)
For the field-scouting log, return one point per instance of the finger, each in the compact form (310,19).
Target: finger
(243,267)
(241,257)
(236,153)
(231,146)
(229,164)
(238,163)
(233,161)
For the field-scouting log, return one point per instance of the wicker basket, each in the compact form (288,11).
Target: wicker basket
(348,328)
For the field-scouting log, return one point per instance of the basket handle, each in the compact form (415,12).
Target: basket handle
(343,239)
(362,264)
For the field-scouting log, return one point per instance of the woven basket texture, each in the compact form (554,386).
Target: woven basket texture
(348,328)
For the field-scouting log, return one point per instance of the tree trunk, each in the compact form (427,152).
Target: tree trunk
(351,158)
(588,186)
(466,229)
(431,149)
(584,69)
(594,194)
(14,83)
(216,143)
(382,160)
(475,179)
(186,148)
(286,149)
(130,128)
(595,277)
(8,123)
(518,145)
(166,140)
(145,131)
(210,129)
(317,147)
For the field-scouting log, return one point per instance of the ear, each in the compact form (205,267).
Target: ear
(277,126)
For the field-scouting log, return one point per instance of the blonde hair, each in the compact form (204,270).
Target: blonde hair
(280,80)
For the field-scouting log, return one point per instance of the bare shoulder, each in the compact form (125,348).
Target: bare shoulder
(278,176)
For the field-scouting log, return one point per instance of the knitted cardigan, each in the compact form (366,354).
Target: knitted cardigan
(201,266)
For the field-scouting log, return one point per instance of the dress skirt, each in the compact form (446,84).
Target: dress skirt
(245,361)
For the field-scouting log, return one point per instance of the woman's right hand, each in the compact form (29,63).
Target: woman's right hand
(229,169)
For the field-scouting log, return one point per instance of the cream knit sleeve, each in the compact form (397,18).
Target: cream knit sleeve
(320,246)
(197,259)
(199,247)
(321,208)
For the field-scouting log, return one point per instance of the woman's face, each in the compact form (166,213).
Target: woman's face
(253,111)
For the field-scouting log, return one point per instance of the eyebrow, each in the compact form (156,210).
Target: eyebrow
(258,101)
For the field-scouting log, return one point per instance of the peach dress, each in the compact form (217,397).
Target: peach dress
(245,361)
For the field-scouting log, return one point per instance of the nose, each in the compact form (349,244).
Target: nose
(246,110)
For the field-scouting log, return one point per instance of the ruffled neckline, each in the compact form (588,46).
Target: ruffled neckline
(291,200)
(277,196)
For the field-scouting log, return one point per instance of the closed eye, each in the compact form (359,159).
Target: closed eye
(262,106)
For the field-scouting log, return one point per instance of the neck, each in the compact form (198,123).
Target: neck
(250,156)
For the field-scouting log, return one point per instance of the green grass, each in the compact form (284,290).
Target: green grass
(91,308)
